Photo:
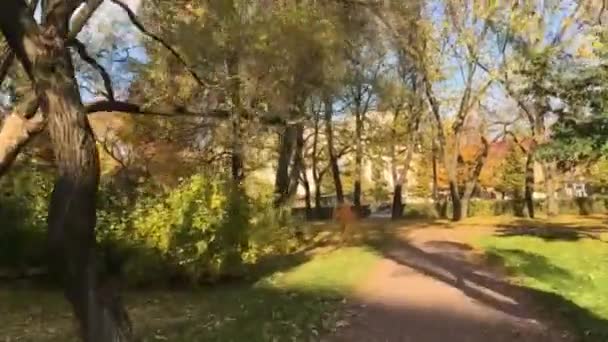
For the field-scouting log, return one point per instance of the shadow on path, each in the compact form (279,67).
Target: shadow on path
(464,300)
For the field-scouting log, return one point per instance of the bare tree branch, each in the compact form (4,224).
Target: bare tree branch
(135,21)
(7,57)
(107,80)
(169,111)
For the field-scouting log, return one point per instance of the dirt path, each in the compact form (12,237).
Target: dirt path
(431,287)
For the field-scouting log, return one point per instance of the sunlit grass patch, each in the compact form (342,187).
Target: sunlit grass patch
(573,273)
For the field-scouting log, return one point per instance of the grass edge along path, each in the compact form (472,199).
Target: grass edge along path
(301,303)
(570,277)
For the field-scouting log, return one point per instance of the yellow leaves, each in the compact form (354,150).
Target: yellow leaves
(584,51)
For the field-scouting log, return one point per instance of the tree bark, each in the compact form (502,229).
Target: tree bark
(333,159)
(72,213)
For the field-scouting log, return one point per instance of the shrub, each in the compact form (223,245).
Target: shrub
(23,211)
(420,211)
(203,230)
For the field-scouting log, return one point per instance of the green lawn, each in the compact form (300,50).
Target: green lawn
(571,274)
(300,303)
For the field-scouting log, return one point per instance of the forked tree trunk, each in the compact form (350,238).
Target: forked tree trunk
(471,183)
(72,210)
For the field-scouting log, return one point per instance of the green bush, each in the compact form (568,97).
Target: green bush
(23,211)
(201,231)
(421,211)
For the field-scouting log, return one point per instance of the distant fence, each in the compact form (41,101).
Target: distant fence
(477,207)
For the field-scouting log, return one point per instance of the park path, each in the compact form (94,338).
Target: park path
(431,286)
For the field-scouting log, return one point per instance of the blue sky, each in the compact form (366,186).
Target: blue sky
(116,44)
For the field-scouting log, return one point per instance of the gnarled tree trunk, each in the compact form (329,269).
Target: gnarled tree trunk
(72,211)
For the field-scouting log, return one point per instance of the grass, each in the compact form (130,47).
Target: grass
(572,270)
(302,304)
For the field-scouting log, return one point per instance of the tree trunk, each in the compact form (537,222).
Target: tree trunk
(550,188)
(529,183)
(72,212)
(282,179)
(402,181)
(456,204)
(358,161)
(307,194)
(397,209)
(333,159)
(318,207)
(316,176)
(449,161)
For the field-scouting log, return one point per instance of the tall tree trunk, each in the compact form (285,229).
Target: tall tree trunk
(318,194)
(333,159)
(282,180)
(402,181)
(72,209)
(358,160)
(307,194)
(316,176)
(529,183)
(471,183)
(449,160)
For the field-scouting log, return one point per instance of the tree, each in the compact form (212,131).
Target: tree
(511,174)
(42,51)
